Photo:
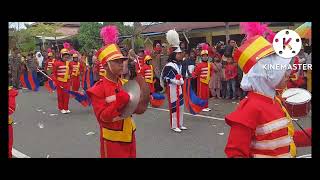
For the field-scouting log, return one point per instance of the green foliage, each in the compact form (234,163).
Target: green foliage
(123,29)
(49,30)
(139,42)
(23,40)
(89,36)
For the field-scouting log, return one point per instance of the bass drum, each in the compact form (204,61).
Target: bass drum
(144,95)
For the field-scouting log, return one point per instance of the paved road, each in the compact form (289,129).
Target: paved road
(40,131)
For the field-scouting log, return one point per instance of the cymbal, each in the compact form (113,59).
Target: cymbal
(133,89)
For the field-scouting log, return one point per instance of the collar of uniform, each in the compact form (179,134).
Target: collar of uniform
(107,79)
(261,96)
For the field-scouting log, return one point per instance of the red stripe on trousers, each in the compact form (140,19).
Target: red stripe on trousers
(10,140)
(168,94)
(178,106)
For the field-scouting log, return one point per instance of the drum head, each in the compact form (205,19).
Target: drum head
(296,96)
(133,89)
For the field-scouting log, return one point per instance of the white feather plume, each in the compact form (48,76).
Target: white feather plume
(173,38)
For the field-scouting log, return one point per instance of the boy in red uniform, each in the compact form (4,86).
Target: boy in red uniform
(260,126)
(117,135)
(61,75)
(148,72)
(231,73)
(140,59)
(76,68)
(98,68)
(49,62)
(203,72)
(12,107)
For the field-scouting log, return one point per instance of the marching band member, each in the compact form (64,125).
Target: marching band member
(61,75)
(12,107)
(100,69)
(49,62)
(148,72)
(76,68)
(203,72)
(117,135)
(172,79)
(140,60)
(261,127)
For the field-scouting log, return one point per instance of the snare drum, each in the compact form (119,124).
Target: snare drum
(297,102)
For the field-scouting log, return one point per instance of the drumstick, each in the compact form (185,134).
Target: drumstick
(303,130)
(47,76)
(290,96)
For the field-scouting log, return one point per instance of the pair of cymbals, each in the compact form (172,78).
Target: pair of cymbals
(133,89)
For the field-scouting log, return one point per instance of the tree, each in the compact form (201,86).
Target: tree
(135,31)
(89,36)
(26,42)
(48,30)
(45,30)
(123,29)
(22,40)
(227,31)
(25,39)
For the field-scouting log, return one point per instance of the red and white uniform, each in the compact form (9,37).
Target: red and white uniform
(61,74)
(75,76)
(203,73)
(117,136)
(49,65)
(100,70)
(148,74)
(12,107)
(139,64)
(262,128)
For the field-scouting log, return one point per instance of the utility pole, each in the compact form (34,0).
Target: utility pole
(227,32)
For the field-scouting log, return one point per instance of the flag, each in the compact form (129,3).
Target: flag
(87,79)
(192,103)
(158,96)
(157,99)
(29,80)
(50,86)
(82,98)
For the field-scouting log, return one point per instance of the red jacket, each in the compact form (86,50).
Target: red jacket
(203,71)
(62,71)
(76,68)
(139,64)
(104,102)
(260,128)
(231,71)
(49,64)
(148,73)
(12,100)
(99,69)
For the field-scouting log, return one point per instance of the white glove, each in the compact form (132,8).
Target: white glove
(173,81)
(181,82)
(177,82)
